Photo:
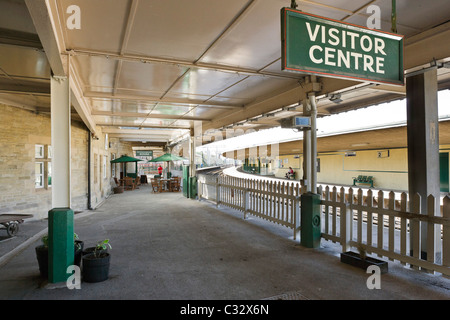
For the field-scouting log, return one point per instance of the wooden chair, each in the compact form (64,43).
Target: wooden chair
(128,183)
(175,184)
(172,185)
(156,185)
(137,183)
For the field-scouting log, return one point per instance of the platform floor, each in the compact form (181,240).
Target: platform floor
(167,247)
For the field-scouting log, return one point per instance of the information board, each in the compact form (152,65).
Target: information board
(316,45)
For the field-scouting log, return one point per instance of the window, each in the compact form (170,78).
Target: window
(49,174)
(113,166)
(106,141)
(39,151)
(104,167)
(42,166)
(39,174)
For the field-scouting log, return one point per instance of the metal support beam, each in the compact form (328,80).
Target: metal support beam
(40,14)
(60,123)
(192,169)
(60,218)
(312,100)
(150,99)
(147,115)
(307,149)
(423,149)
(394,16)
(179,63)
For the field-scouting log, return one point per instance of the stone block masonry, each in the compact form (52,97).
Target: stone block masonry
(20,131)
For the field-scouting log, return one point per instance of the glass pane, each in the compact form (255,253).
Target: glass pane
(49,177)
(39,174)
(38,151)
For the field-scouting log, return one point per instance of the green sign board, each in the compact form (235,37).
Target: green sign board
(144,153)
(316,45)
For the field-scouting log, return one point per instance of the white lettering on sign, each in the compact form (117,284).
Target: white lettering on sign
(371,60)
(74,21)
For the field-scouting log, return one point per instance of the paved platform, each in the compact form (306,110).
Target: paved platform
(167,247)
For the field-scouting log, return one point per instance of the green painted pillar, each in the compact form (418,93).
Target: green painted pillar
(60,218)
(60,244)
(310,232)
(192,187)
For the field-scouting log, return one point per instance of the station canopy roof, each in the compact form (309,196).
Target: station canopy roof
(165,67)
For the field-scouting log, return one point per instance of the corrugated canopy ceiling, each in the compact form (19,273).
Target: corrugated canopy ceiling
(167,66)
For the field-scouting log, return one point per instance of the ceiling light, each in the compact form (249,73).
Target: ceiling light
(360,144)
(336,98)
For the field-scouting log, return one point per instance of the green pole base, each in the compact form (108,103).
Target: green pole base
(310,232)
(60,244)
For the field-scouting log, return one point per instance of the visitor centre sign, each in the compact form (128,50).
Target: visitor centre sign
(316,45)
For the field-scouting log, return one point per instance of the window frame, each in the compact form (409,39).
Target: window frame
(43,156)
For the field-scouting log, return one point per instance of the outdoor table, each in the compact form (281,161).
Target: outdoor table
(165,185)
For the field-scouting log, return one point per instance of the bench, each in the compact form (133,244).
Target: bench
(363,180)
(290,176)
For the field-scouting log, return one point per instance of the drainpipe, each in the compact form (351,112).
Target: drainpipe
(294,4)
(89,171)
(307,150)
(313,147)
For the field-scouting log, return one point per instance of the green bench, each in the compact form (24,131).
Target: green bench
(363,180)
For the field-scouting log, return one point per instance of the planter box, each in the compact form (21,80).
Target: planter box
(118,190)
(96,269)
(353,258)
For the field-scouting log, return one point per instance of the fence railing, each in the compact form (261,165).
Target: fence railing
(277,202)
(390,227)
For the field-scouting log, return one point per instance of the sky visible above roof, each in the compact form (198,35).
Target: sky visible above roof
(388,114)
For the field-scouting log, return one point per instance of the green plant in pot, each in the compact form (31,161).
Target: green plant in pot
(42,254)
(96,263)
(99,247)
(78,246)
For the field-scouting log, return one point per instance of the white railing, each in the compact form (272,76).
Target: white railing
(353,220)
(275,201)
(350,218)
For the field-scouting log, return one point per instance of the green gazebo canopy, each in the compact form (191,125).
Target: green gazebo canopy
(125,159)
(167,157)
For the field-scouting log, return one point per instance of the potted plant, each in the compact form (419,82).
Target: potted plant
(97,248)
(42,254)
(78,246)
(96,264)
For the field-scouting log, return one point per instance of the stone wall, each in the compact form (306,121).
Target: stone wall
(20,131)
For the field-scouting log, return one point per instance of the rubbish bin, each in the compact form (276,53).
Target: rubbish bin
(310,220)
(192,187)
(185,181)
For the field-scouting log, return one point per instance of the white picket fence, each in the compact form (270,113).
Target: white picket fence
(350,218)
(270,200)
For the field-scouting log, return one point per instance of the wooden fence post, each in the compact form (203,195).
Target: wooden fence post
(345,222)
(296,216)
(199,189)
(446,235)
(217,192)
(415,228)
